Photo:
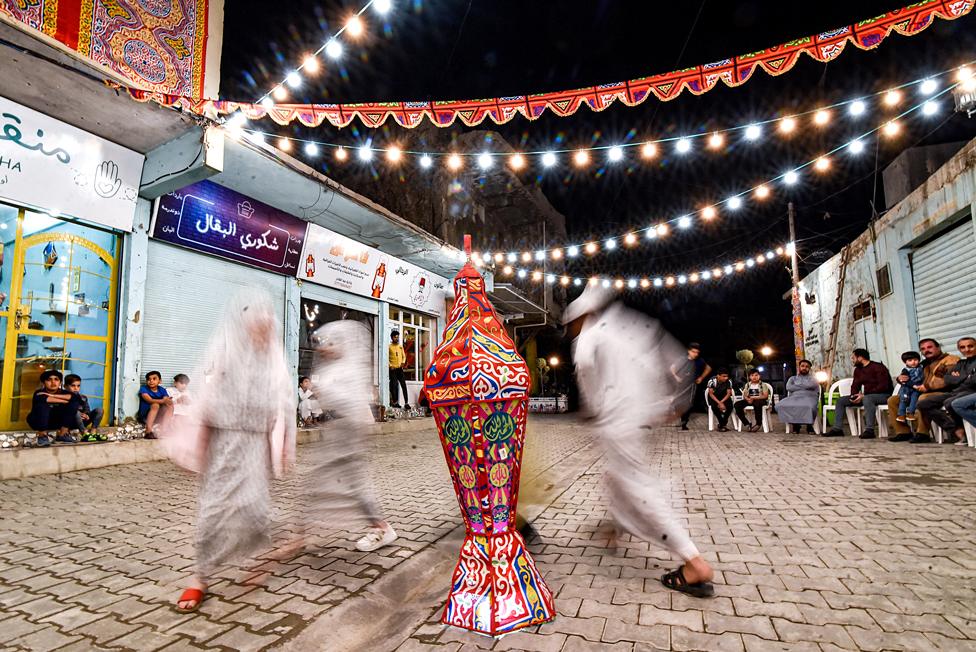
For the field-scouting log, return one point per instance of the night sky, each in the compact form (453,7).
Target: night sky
(458,49)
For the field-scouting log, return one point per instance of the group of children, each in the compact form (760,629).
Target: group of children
(59,406)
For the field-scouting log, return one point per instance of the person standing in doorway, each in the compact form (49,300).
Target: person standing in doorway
(398,357)
(699,370)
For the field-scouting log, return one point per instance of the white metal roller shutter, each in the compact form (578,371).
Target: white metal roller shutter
(945,286)
(185,297)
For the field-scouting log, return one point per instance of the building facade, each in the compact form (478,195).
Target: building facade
(910,275)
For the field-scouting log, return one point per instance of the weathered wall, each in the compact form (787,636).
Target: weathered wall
(944,199)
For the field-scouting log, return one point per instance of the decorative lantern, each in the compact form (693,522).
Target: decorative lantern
(478,387)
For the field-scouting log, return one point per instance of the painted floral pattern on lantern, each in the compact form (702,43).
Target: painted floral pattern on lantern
(144,60)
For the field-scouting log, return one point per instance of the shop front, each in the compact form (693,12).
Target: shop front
(207,244)
(402,297)
(66,199)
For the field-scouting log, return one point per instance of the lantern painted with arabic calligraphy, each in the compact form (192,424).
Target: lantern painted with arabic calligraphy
(478,386)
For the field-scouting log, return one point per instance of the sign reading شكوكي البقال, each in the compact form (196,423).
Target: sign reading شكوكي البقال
(50,165)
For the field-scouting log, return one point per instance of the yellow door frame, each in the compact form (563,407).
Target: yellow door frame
(16,312)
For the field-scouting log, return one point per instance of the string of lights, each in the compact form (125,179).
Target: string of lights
(715,140)
(822,164)
(647,282)
(333,48)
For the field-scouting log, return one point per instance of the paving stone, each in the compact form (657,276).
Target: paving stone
(796,632)
(760,626)
(755,644)
(16,626)
(242,640)
(71,618)
(146,639)
(577,644)
(656,635)
(531,642)
(683,639)
(44,640)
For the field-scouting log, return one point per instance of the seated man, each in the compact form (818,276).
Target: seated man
(872,387)
(965,407)
(803,401)
(53,408)
(959,382)
(719,398)
(755,394)
(935,365)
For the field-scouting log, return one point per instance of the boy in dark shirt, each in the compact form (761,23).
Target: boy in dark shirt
(719,398)
(53,408)
(87,419)
(154,403)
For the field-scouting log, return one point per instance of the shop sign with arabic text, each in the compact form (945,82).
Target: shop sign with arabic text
(219,221)
(52,166)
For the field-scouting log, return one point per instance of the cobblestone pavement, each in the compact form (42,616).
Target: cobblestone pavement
(818,544)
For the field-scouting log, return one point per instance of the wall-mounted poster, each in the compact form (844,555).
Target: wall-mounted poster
(337,261)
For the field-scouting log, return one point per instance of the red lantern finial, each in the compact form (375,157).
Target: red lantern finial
(467,245)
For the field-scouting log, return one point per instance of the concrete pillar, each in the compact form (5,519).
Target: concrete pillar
(132,301)
(293,309)
(383,359)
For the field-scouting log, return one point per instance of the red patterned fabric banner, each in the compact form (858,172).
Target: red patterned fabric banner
(866,34)
(158,45)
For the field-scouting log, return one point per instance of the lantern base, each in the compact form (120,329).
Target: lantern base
(496,587)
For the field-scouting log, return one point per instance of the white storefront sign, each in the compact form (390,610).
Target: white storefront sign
(50,165)
(339,262)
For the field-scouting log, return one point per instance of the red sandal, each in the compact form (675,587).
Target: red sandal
(191,595)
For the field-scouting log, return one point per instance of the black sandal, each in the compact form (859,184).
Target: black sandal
(675,580)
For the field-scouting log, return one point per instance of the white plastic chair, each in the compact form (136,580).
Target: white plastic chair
(936,431)
(712,421)
(817,422)
(844,386)
(970,433)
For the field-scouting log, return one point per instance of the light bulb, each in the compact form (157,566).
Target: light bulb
(683,146)
(284,144)
(484,160)
(280,92)
(762,191)
(540,255)
(822,164)
(615,154)
(649,150)
(293,79)
(382,6)
(709,212)
(526,257)
(454,162)
(821,117)
(610,244)
(928,86)
(365,153)
(590,248)
(267,102)
(662,229)
(791,178)
(753,132)
(787,125)
(855,146)
(426,161)
(577,282)
(333,48)
(716,140)
(516,161)
(310,64)
(512,257)
(930,108)
(522,273)
(393,154)
(734,202)
(341,154)
(355,26)
(658,282)
(572,251)
(557,254)
(892,97)
(891,128)
(632,283)
(548,159)
(685,221)
(581,157)
(630,239)
(857,107)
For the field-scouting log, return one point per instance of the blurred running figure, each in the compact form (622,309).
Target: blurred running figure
(623,361)
(242,430)
(339,488)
